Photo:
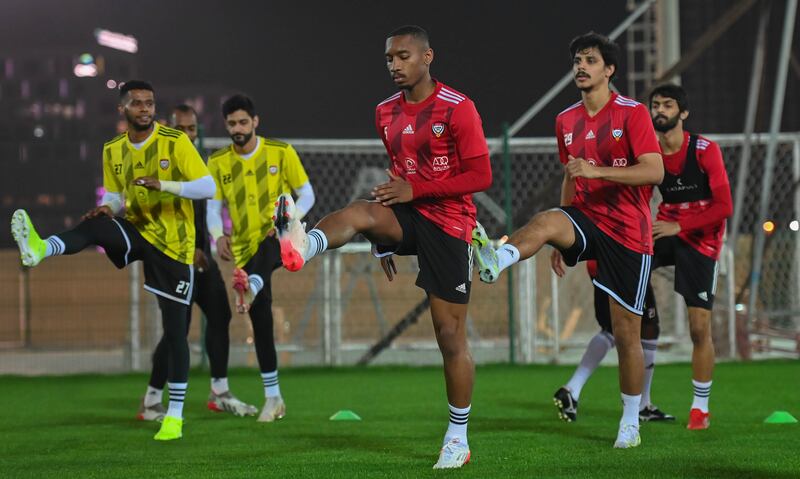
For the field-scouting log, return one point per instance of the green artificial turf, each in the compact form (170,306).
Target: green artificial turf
(84,426)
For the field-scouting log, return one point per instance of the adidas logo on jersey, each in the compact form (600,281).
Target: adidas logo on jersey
(462,288)
(408,130)
(590,135)
(703,296)
(139,165)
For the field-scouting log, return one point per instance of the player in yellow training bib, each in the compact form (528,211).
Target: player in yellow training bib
(154,172)
(211,296)
(250,175)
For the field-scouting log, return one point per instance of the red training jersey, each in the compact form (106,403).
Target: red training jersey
(616,136)
(703,221)
(439,147)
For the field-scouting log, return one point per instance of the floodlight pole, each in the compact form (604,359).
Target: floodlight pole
(774,127)
(567,78)
(545,99)
(749,124)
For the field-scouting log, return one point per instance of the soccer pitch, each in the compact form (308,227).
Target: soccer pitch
(84,426)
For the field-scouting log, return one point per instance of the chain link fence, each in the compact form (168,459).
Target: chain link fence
(79,314)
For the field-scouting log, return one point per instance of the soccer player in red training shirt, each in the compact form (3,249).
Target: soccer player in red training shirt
(689,227)
(439,157)
(612,159)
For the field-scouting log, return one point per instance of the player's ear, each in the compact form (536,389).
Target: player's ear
(427,57)
(610,69)
(684,115)
(255,122)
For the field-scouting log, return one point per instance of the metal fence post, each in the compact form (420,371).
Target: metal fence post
(555,313)
(526,301)
(336,309)
(135,319)
(796,178)
(325,310)
(730,281)
(534,306)
(509,230)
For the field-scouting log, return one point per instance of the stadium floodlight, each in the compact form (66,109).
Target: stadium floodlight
(82,70)
(117,41)
(794,225)
(768,226)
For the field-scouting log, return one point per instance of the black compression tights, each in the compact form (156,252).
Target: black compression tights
(173,349)
(261,318)
(100,231)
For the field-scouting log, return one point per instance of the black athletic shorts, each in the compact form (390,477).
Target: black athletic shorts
(621,272)
(445,262)
(695,273)
(266,260)
(163,275)
(602,310)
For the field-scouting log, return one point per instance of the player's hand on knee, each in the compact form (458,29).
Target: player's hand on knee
(99,211)
(224,247)
(387,263)
(148,182)
(557,263)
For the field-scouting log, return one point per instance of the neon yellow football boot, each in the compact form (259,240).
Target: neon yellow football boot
(171,428)
(31,247)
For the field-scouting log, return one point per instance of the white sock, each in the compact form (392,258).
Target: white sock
(177,394)
(317,243)
(597,349)
(457,428)
(649,347)
(701,393)
(55,246)
(219,385)
(630,409)
(153,396)
(271,387)
(507,255)
(256,283)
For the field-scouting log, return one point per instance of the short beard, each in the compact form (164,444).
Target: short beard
(242,142)
(668,125)
(137,126)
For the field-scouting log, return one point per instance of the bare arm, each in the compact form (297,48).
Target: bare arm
(567,190)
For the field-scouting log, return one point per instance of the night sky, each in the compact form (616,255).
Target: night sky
(315,68)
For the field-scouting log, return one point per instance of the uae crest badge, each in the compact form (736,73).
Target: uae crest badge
(438,129)
(616,133)
(164,164)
